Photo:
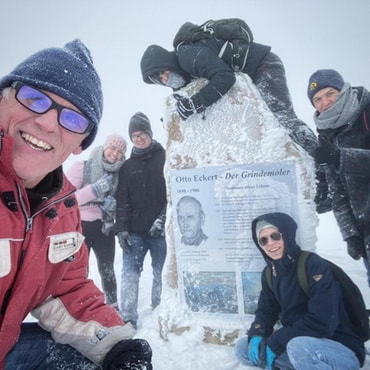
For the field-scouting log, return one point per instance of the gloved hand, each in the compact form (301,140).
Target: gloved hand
(157,229)
(188,106)
(129,354)
(103,185)
(270,358)
(109,204)
(124,240)
(328,154)
(323,199)
(355,247)
(256,351)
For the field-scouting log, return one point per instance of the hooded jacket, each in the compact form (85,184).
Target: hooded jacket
(201,60)
(322,314)
(43,269)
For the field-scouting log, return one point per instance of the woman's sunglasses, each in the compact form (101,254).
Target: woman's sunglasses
(38,102)
(265,239)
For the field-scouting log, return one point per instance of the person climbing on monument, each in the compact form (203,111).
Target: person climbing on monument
(177,68)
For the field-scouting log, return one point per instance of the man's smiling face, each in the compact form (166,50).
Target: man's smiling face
(275,247)
(40,144)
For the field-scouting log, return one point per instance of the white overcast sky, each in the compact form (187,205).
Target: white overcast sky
(306,34)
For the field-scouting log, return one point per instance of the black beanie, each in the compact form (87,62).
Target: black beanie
(323,78)
(139,122)
(67,72)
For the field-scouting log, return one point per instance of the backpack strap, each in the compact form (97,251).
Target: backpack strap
(301,271)
(268,276)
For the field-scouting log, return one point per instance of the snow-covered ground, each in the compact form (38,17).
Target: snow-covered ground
(188,351)
(306,34)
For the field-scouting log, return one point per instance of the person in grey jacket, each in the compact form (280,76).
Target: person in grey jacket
(344,140)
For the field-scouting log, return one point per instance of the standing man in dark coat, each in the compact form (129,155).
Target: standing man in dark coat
(141,215)
(200,59)
(342,119)
(315,330)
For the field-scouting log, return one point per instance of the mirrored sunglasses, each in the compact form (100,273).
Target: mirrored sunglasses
(265,239)
(38,102)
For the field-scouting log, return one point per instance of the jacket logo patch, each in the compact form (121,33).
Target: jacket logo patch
(64,245)
(5,260)
(317,277)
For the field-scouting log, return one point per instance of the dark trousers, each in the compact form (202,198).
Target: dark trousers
(37,350)
(104,249)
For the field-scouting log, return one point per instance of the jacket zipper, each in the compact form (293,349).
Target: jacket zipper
(29,218)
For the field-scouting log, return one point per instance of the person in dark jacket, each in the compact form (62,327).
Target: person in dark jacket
(314,329)
(342,120)
(141,215)
(176,69)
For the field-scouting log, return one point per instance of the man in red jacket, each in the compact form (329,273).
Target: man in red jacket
(50,107)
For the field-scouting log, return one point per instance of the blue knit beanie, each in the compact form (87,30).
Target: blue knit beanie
(323,78)
(67,72)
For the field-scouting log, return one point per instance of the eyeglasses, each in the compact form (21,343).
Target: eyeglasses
(38,102)
(141,136)
(265,239)
(155,78)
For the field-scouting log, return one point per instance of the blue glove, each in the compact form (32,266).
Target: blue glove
(270,358)
(103,185)
(109,204)
(254,350)
(188,106)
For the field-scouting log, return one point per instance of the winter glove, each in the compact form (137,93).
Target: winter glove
(355,247)
(157,229)
(270,358)
(129,354)
(109,204)
(124,241)
(188,106)
(256,351)
(322,199)
(103,185)
(328,154)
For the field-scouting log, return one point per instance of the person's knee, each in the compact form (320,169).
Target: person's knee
(241,349)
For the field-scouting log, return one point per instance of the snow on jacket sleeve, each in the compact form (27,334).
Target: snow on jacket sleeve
(341,205)
(77,315)
(200,61)
(76,176)
(355,161)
